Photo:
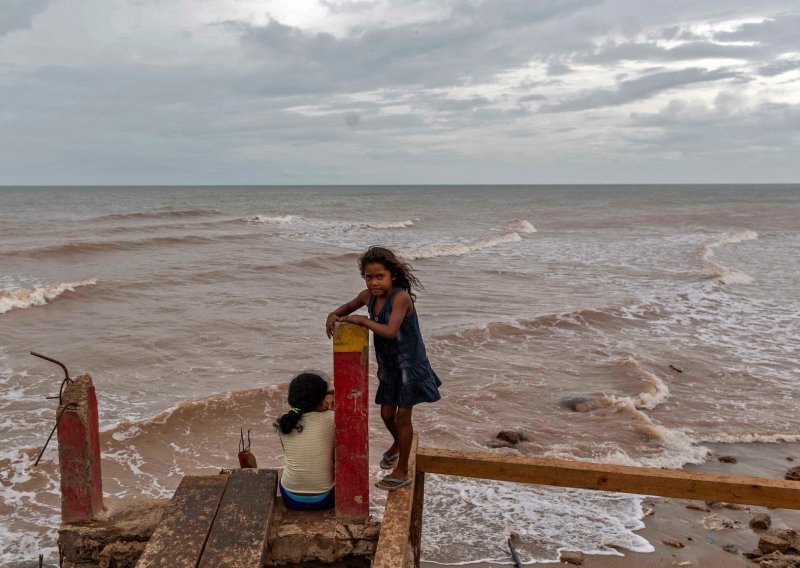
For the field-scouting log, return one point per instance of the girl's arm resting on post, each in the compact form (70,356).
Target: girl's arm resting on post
(400,307)
(345,309)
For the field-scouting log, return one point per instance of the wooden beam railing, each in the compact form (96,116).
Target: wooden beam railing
(399,542)
(619,478)
(394,549)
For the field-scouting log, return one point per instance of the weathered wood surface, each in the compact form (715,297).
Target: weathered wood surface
(180,536)
(417,506)
(238,536)
(393,549)
(637,480)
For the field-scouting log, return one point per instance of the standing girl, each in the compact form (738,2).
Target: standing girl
(404,373)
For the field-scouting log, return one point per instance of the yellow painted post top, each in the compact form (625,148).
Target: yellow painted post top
(350,338)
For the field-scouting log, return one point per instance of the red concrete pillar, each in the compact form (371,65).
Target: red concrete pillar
(79,452)
(350,368)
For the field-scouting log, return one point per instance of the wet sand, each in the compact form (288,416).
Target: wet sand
(671,520)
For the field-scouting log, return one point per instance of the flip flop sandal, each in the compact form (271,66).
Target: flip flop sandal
(389,461)
(392,483)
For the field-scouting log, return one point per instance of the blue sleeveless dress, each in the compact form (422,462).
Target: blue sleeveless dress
(405,376)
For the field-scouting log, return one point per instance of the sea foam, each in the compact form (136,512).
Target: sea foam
(722,273)
(511,235)
(26,298)
(391,224)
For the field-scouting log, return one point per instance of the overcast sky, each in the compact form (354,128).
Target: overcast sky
(398,91)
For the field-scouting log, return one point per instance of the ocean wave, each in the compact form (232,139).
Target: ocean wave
(522,226)
(264,220)
(158,214)
(26,298)
(577,320)
(90,247)
(511,235)
(458,249)
(722,273)
(391,224)
(748,437)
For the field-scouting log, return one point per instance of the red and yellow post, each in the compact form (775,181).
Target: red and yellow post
(350,371)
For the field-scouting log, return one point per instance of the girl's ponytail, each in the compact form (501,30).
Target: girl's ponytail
(289,421)
(306,392)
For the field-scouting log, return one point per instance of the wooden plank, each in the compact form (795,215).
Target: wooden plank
(392,548)
(638,480)
(417,505)
(238,537)
(181,534)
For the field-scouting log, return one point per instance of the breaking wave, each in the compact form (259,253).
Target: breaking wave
(722,273)
(26,298)
(264,220)
(391,224)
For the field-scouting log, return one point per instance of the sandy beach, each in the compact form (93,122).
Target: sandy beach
(704,545)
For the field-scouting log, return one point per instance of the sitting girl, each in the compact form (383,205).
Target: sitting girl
(306,434)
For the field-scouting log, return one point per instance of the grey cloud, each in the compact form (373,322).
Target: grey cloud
(722,128)
(779,67)
(637,89)
(19,14)
(479,42)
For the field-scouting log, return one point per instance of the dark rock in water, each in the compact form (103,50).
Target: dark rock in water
(790,535)
(731,548)
(772,543)
(572,402)
(760,521)
(727,459)
(793,473)
(512,436)
(789,459)
(571,557)
(676,369)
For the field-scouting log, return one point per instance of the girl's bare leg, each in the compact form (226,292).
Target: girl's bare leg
(388,413)
(405,434)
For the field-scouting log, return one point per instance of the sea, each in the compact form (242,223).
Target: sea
(618,324)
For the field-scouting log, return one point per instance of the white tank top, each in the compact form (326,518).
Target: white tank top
(309,455)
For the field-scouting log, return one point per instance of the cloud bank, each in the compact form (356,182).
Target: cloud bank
(406,91)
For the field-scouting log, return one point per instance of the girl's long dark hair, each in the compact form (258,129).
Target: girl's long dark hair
(402,273)
(306,391)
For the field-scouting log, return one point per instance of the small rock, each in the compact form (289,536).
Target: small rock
(772,543)
(727,459)
(576,403)
(647,511)
(714,504)
(676,369)
(736,507)
(752,555)
(788,535)
(789,459)
(793,473)
(571,557)
(674,543)
(512,437)
(731,548)
(760,521)
(694,507)
(777,560)
(494,444)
